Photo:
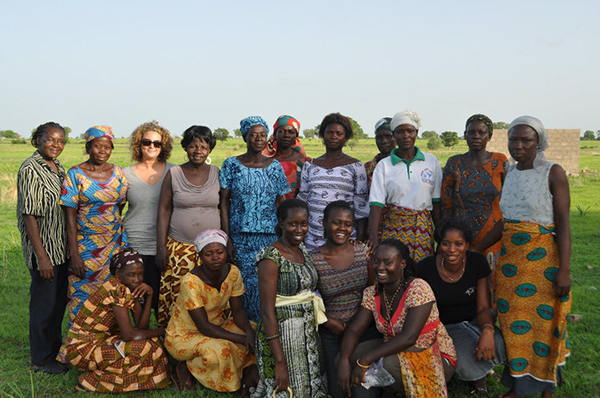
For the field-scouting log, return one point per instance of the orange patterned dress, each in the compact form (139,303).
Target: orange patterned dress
(216,363)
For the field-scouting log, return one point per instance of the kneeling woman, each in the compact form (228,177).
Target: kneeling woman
(115,355)
(459,279)
(209,331)
(417,350)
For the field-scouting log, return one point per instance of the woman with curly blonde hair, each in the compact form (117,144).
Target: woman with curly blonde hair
(151,146)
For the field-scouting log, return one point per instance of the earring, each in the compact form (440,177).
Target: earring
(208,160)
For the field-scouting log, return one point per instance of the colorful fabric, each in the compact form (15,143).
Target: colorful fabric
(532,319)
(286,120)
(473,194)
(481,118)
(406,117)
(97,132)
(216,363)
(246,248)
(412,227)
(416,294)
(293,171)
(181,259)
(271,148)
(383,124)
(94,345)
(341,289)
(100,230)
(209,236)
(247,123)
(423,373)
(253,192)
(126,257)
(38,195)
(320,186)
(297,327)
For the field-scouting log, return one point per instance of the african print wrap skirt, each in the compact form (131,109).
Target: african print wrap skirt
(533,320)
(181,259)
(414,228)
(423,373)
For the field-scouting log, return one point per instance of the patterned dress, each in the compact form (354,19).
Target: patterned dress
(293,171)
(216,363)
(320,186)
(100,229)
(252,218)
(111,365)
(532,319)
(422,372)
(297,327)
(473,193)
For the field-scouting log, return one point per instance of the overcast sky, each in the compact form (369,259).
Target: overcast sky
(122,63)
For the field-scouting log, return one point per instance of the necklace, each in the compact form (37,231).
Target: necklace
(390,304)
(448,275)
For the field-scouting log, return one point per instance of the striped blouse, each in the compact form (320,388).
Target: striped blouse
(342,290)
(38,194)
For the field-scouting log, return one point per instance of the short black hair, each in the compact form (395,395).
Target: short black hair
(338,204)
(451,223)
(203,133)
(338,118)
(43,129)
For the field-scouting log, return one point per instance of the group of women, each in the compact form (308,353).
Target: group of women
(284,273)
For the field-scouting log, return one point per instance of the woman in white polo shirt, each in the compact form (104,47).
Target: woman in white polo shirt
(409,183)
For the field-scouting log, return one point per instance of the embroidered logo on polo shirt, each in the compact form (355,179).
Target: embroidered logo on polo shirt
(427,176)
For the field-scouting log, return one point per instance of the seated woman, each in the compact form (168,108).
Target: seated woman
(344,272)
(459,279)
(116,356)
(209,331)
(288,348)
(417,350)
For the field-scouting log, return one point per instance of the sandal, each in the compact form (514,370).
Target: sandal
(480,392)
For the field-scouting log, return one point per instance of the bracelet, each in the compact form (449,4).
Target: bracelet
(488,325)
(275,336)
(361,365)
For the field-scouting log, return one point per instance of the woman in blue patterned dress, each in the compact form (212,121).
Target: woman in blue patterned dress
(93,196)
(252,185)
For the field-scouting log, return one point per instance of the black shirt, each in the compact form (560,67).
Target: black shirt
(457,302)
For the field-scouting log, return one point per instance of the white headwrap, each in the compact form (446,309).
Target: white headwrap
(536,124)
(406,117)
(209,236)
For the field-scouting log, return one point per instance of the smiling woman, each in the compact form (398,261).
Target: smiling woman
(93,196)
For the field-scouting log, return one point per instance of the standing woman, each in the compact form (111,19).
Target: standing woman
(286,148)
(252,187)
(384,138)
(44,242)
(189,204)
(472,183)
(409,184)
(334,176)
(150,147)
(534,283)
(93,197)
(288,348)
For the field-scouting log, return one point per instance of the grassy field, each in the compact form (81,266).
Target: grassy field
(582,373)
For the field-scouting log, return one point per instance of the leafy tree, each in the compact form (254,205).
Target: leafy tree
(237,133)
(221,134)
(356,129)
(8,134)
(500,126)
(309,133)
(449,138)
(598,135)
(67,132)
(588,136)
(434,143)
(426,135)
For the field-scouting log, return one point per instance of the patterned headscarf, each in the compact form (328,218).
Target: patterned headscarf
(383,124)
(124,258)
(247,123)
(284,120)
(209,236)
(99,131)
(406,117)
(537,125)
(481,118)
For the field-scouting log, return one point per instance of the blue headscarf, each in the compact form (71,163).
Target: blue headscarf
(247,123)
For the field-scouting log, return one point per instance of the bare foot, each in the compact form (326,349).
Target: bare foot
(479,388)
(186,380)
(250,379)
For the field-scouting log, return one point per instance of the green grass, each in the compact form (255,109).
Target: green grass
(582,373)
